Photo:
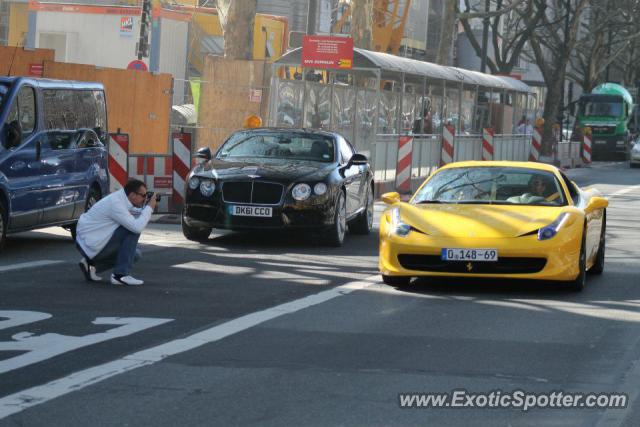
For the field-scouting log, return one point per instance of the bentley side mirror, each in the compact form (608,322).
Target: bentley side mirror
(204,153)
(391,198)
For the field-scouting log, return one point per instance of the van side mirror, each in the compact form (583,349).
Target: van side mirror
(13,134)
(204,153)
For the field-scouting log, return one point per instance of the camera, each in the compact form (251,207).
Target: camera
(150,195)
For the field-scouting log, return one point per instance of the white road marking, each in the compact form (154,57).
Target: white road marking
(28,265)
(22,400)
(19,318)
(42,347)
(624,191)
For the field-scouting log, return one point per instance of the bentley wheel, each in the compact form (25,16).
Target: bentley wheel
(335,235)
(397,281)
(580,281)
(3,224)
(598,266)
(194,233)
(364,222)
(92,199)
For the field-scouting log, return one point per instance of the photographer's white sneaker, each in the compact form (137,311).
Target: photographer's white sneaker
(126,280)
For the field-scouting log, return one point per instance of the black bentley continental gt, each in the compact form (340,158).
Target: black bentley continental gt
(272,178)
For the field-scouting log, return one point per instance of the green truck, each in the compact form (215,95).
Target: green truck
(606,110)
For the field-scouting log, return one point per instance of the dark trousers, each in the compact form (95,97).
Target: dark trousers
(120,253)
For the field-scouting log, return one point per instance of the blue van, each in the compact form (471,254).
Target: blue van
(53,160)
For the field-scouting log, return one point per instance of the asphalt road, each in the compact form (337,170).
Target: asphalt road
(277,330)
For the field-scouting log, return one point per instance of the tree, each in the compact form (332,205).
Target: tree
(447,33)
(508,29)
(610,38)
(362,23)
(552,43)
(237,18)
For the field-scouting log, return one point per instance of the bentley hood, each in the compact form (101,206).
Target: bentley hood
(270,169)
(482,221)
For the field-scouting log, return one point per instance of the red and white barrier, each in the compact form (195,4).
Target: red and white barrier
(487,144)
(446,155)
(403,170)
(118,160)
(181,165)
(586,148)
(536,145)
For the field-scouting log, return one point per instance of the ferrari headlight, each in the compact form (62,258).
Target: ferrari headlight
(320,188)
(397,226)
(301,192)
(207,188)
(194,182)
(549,231)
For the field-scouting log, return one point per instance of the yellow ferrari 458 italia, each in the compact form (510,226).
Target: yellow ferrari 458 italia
(518,220)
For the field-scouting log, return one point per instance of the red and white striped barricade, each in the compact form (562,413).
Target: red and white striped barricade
(118,161)
(487,144)
(403,169)
(586,147)
(536,145)
(181,165)
(446,155)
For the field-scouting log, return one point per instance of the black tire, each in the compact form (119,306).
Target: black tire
(397,281)
(579,282)
(3,224)
(364,222)
(92,199)
(598,265)
(335,235)
(194,233)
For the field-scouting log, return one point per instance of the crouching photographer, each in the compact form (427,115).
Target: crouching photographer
(107,234)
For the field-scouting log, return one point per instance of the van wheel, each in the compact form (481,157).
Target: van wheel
(92,199)
(3,224)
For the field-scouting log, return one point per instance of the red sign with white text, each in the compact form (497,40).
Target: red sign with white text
(327,52)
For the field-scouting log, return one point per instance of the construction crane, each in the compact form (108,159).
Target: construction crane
(389,19)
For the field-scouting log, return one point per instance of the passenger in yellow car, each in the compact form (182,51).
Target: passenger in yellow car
(540,190)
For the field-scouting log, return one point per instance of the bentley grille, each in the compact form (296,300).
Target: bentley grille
(252,192)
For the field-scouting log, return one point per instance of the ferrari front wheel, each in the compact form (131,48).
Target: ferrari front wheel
(398,281)
(579,282)
(598,265)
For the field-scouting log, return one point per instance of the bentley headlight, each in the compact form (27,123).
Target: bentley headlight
(549,231)
(397,226)
(207,188)
(301,192)
(194,182)
(320,188)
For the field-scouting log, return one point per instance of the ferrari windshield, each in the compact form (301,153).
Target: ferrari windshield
(278,145)
(492,185)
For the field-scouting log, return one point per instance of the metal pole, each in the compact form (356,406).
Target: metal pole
(485,37)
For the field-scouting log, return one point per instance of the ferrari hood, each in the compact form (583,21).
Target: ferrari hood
(482,221)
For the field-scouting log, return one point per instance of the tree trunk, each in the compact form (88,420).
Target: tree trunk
(447,33)
(237,19)
(551,113)
(362,23)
